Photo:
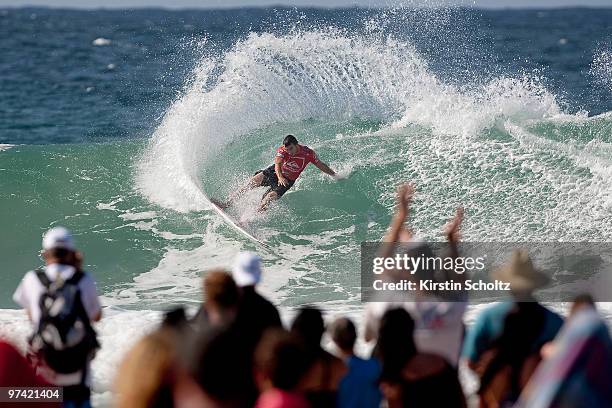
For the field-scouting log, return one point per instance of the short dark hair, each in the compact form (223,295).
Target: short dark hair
(64,255)
(343,333)
(584,299)
(282,358)
(289,140)
(309,325)
(220,288)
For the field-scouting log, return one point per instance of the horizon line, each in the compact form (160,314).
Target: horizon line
(284,6)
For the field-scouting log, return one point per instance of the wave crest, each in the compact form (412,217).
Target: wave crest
(266,79)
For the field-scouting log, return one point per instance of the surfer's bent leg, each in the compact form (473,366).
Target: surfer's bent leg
(275,192)
(255,181)
(267,199)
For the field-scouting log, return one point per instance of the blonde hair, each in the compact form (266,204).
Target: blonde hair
(146,369)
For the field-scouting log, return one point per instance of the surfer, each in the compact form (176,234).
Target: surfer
(289,162)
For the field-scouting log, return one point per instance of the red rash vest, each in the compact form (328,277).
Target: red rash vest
(293,165)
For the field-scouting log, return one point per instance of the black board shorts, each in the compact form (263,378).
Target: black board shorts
(271,180)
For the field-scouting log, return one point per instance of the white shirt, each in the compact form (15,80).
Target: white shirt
(438,325)
(29,291)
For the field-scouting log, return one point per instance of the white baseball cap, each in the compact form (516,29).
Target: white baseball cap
(58,237)
(247,269)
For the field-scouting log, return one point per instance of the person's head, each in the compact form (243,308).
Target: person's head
(221,363)
(58,247)
(522,276)
(221,296)
(247,269)
(395,342)
(416,248)
(581,302)
(145,376)
(281,360)
(344,334)
(291,144)
(308,324)
(175,318)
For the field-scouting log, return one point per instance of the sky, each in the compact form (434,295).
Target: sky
(301,3)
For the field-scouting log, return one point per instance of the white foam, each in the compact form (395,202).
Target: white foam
(110,206)
(144,215)
(100,42)
(267,79)
(4,147)
(178,276)
(601,67)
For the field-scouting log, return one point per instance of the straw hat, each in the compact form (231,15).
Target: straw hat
(520,273)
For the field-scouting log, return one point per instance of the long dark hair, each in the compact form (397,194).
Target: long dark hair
(309,325)
(522,326)
(395,344)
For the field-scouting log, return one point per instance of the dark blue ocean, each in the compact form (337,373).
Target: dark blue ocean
(57,87)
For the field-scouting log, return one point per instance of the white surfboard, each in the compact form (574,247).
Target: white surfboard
(234,224)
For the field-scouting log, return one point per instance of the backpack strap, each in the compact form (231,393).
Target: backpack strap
(42,277)
(80,306)
(75,278)
(82,313)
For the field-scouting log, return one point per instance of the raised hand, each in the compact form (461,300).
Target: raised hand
(451,230)
(405,192)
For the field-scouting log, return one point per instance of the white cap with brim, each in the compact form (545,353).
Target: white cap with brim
(58,237)
(247,269)
(521,274)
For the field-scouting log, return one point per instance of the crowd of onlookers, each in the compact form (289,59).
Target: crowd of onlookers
(235,351)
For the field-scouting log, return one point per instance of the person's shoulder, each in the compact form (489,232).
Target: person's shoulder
(281,149)
(496,310)
(27,288)
(253,295)
(261,302)
(30,275)
(87,278)
(489,315)
(550,313)
(552,317)
(307,150)
(30,279)
(87,282)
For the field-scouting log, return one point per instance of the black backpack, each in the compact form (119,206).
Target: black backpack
(64,338)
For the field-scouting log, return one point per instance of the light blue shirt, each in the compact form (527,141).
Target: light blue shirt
(490,324)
